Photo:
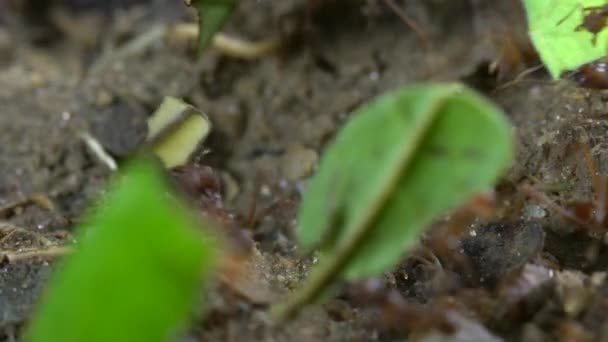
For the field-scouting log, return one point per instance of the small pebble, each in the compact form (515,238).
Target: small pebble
(298,162)
(103,99)
(37,80)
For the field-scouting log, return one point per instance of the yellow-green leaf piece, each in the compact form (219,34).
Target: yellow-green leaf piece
(176,130)
(399,163)
(553,29)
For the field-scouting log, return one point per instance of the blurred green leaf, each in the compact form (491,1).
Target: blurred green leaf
(399,163)
(553,29)
(136,272)
(212,14)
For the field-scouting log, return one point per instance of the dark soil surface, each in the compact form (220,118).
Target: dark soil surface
(524,274)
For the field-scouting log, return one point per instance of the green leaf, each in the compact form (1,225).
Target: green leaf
(212,14)
(136,272)
(399,163)
(553,29)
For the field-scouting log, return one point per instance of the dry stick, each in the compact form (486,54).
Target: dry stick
(98,151)
(407,20)
(7,230)
(39,199)
(10,206)
(134,47)
(41,239)
(47,253)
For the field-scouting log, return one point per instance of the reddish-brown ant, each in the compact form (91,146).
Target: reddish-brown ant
(205,186)
(202,183)
(396,312)
(594,20)
(593,75)
(591,215)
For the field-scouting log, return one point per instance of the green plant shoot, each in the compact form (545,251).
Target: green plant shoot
(561,42)
(399,163)
(212,14)
(136,272)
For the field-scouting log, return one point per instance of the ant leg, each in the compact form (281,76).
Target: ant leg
(407,20)
(599,183)
(540,197)
(601,8)
(425,256)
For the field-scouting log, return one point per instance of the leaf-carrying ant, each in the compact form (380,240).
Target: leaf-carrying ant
(594,20)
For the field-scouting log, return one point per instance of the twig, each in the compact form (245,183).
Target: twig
(8,230)
(134,47)
(98,150)
(47,253)
(12,205)
(39,199)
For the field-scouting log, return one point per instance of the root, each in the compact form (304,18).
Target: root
(226,44)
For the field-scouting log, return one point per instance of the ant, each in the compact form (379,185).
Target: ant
(203,184)
(397,313)
(206,188)
(594,20)
(593,75)
(592,215)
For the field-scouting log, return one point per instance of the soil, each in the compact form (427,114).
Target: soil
(525,274)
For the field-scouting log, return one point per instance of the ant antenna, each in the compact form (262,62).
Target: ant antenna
(520,77)
(407,20)
(540,197)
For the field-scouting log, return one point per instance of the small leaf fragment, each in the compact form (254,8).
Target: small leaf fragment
(399,163)
(136,271)
(176,130)
(553,29)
